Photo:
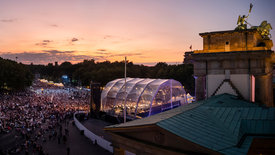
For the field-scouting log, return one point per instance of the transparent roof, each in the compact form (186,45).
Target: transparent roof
(141,97)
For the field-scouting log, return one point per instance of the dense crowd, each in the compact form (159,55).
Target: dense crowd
(37,111)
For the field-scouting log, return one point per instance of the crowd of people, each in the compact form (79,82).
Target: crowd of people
(37,112)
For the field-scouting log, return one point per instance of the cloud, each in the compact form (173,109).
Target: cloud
(142,56)
(51,56)
(8,20)
(116,39)
(107,36)
(48,56)
(102,50)
(54,25)
(74,39)
(43,43)
(125,54)
(102,53)
(109,54)
(56,52)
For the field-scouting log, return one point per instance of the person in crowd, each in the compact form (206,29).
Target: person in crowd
(38,111)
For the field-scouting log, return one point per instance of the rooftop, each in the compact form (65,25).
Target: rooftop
(223,123)
(228,31)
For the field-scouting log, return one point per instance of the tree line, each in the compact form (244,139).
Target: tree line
(17,76)
(103,72)
(14,76)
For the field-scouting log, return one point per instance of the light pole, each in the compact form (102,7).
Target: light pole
(124,111)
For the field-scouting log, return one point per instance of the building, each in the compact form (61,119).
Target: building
(65,79)
(234,111)
(144,97)
(222,124)
(238,62)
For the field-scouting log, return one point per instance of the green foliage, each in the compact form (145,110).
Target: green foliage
(103,72)
(182,73)
(14,76)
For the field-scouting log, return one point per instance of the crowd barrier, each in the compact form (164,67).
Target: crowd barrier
(93,137)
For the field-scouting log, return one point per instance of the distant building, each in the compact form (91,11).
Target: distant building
(65,79)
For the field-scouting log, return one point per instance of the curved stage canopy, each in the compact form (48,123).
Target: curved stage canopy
(144,97)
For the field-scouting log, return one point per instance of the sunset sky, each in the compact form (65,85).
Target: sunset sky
(146,31)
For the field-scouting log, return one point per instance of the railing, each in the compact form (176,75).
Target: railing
(93,137)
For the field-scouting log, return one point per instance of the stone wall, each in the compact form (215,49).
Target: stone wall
(247,63)
(227,41)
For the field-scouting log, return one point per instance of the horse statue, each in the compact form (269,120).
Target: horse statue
(264,29)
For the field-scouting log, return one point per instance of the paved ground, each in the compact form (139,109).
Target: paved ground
(78,144)
(96,126)
(9,140)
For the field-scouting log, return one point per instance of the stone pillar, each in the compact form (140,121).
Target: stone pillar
(263,89)
(200,87)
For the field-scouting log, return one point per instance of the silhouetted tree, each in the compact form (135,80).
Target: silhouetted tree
(103,72)
(14,76)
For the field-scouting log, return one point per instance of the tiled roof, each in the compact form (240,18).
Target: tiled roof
(219,123)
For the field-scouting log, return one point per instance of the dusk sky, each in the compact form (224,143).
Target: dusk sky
(146,31)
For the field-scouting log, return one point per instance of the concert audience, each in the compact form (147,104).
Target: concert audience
(38,111)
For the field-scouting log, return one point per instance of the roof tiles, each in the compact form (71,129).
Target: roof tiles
(221,121)
(217,123)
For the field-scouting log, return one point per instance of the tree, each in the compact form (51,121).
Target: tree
(14,76)
(103,72)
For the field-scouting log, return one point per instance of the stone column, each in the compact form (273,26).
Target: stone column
(200,87)
(263,89)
